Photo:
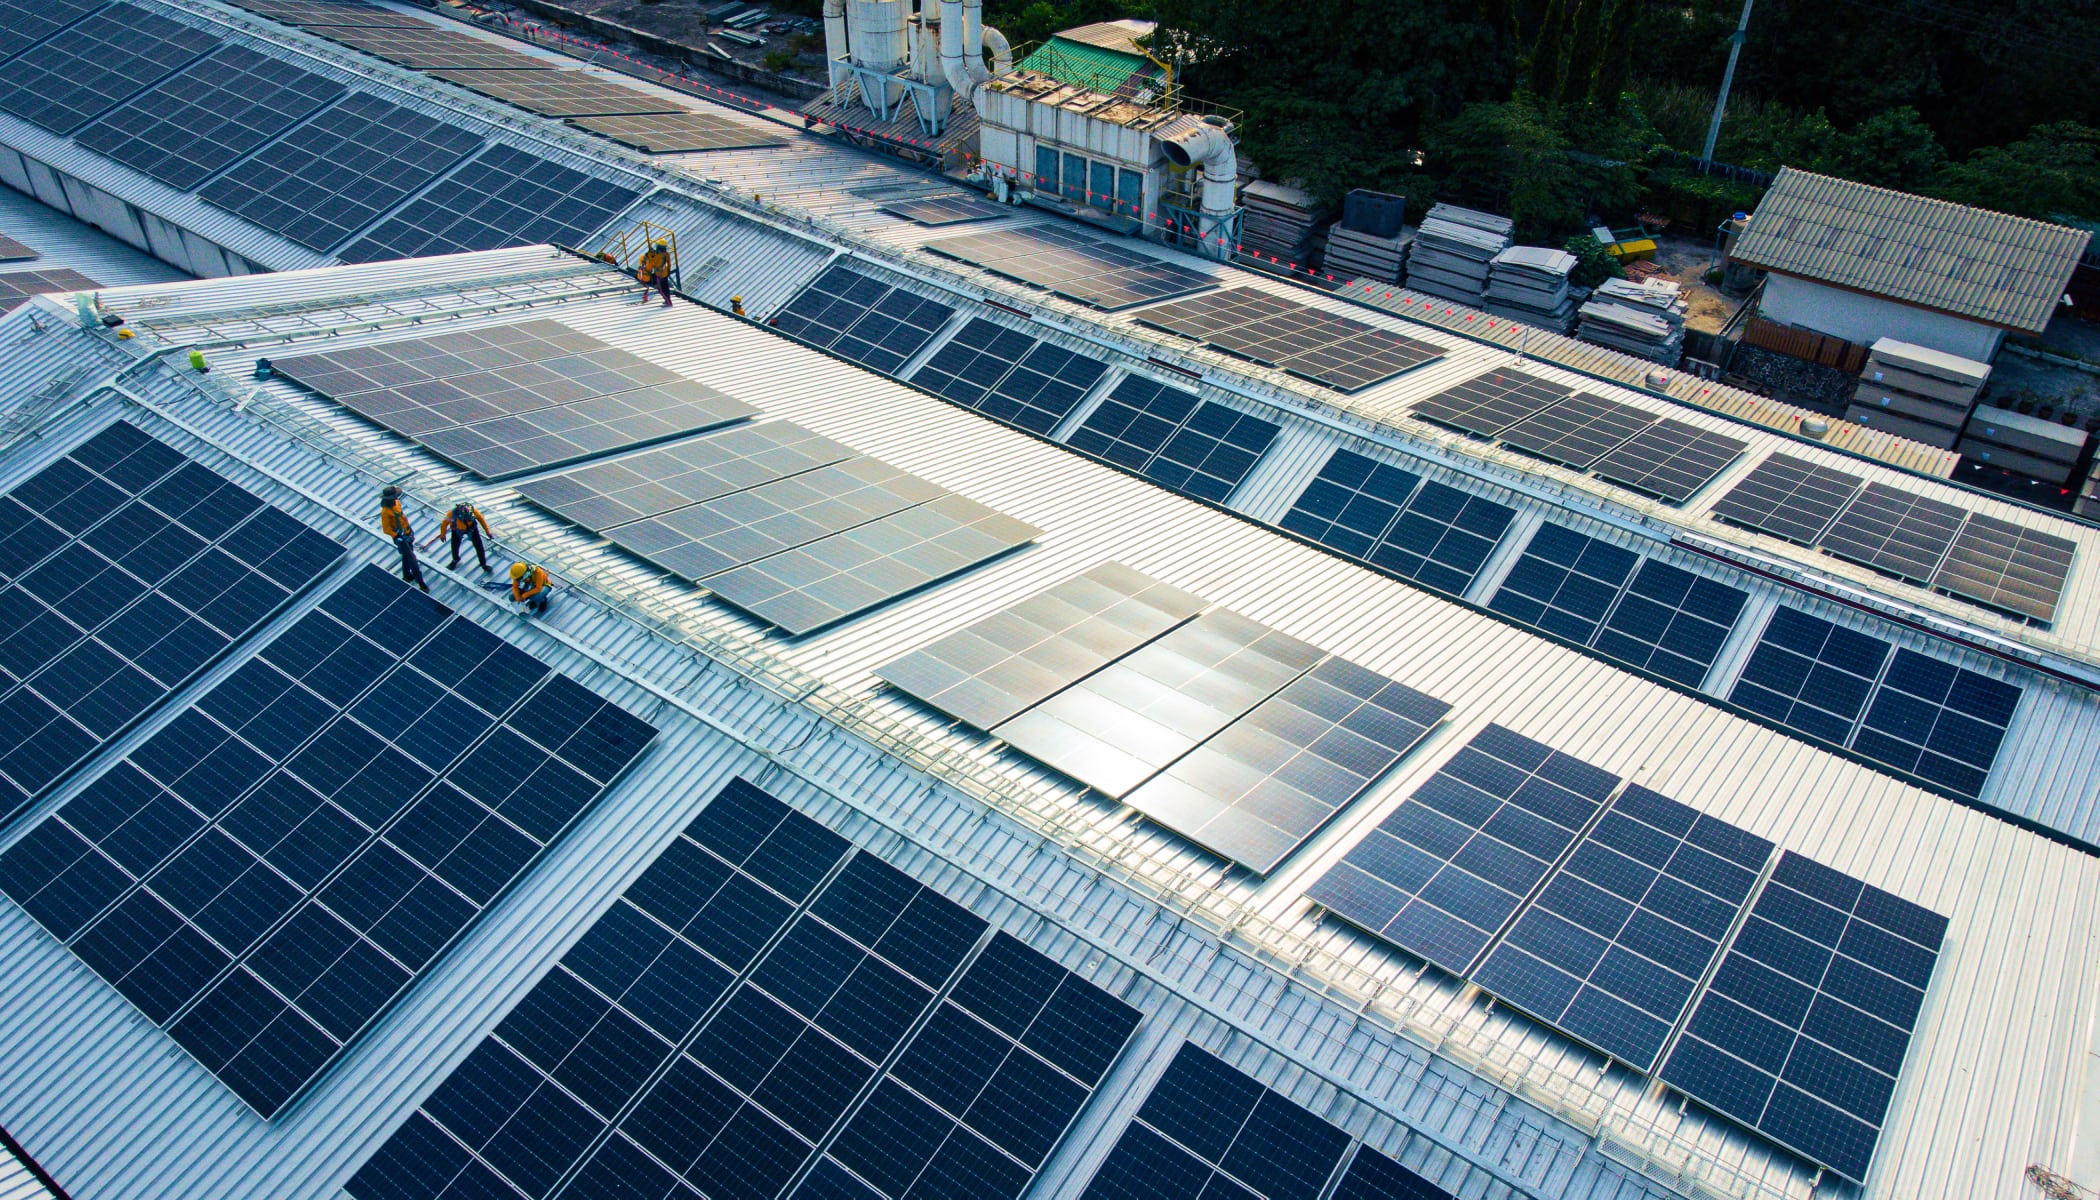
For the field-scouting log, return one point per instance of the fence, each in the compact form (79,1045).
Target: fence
(1728,171)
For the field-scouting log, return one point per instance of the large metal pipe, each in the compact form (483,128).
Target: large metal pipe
(1201,141)
(973,40)
(1002,54)
(953,66)
(835,47)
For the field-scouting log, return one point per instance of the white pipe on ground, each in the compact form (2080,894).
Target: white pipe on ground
(835,47)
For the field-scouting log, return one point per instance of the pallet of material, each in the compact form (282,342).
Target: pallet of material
(1362,256)
(2034,466)
(1924,360)
(1881,377)
(1530,284)
(1889,421)
(2027,434)
(1279,220)
(1876,399)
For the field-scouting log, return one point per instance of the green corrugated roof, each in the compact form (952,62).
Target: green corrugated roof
(1085,66)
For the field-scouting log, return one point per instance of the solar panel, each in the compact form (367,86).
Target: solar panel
(1133,718)
(429,48)
(705,539)
(1265,783)
(1488,404)
(23,23)
(1565,582)
(1937,721)
(130,568)
(560,93)
(1620,936)
(1999,564)
(1018,657)
(193,124)
(1443,537)
(1809,1017)
(1351,503)
(1167,435)
(820,583)
(91,67)
(265,875)
(863,320)
(674,133)
(1671,622)
(1009,376)
(513,445)
(504,197)
(14,251)
(1898,532)
(751,999)
(1579,430)
(1448,869)
(1373,1176)
(332,176)
(1327,348)
(632,487)
(953,209)
(1789,498)
(1078,266)
(1811,675)
(1669,459)
(330,12)
(409,361)
(1207,1130)
(16,287)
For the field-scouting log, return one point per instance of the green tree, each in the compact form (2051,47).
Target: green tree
(1582,52)
(2053,171)
(1549,53)
(1510,157)
(1615,62)
(1893,149)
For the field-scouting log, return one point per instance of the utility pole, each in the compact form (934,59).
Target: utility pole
(1735,50)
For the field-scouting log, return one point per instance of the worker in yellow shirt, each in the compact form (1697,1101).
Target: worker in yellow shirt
(528,586)
(393,522)
(655,270)
(464,522)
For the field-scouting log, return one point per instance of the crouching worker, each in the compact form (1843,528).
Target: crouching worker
(528,586)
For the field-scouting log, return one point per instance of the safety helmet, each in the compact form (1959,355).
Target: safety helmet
(517,570)
(663,245)
(389,492)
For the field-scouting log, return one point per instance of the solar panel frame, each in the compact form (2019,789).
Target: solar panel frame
(1172,437)
(1009,376)
(1445,872)
(1893,531)
(1671,622)
(1106,275)
(502,197)
(509,446)
(1443,537)
(1806,1025)
(1489,403)
(996,668)
(2004,566)
(14,251)
(862,319)
(91,66)
(1132,719)
(1351,503)
(308,13)
(24,23)
(1616,942)
(1937,721)
(560,93)
(427,47)
(677,133)
(1789,498)
(1579,430)
(1670,459)
(1261,787)
(1133,422)
(195,123)
(634,487)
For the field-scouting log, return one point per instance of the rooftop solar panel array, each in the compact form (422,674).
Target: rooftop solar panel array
(514,398)
(560,93)
(1429,532)
(1193,446)
(331,12)
(1669,459)
(679,132)
(955,209)
(332,176)
(194,124)
(1209,1132)
(504,197)
(643,485)
(127,568)
(428,47)
(2002,565)
(1488,404)
(1579,430)
(266,874)
(1902,534)
(767,1012)
(23,23)
(1340,352)
(1009,376)
(1808,1020)
(91,67)
(862,319)
(16,287)
(1078,266)
(14,251)
(1789,498)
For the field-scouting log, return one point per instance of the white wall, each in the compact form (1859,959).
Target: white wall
(1863,319)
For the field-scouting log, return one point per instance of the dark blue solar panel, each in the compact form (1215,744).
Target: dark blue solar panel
(1565,582)
(1351,504)
(862,319)
(1805,1027)
(1622,933)
(267,872)
(747,1000)
(1373,1176)
(1811,675)
(1208,1130)
(1671,622)
(1442,538)
(1445,872)
(131,568)
(1133,422)
(504,197)
(1009,376)
(1170,437)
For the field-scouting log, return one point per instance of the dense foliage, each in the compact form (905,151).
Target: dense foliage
(1557,111)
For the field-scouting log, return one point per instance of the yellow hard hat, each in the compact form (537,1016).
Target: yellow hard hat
(517,570)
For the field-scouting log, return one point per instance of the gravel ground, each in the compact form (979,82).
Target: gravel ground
(1825,389)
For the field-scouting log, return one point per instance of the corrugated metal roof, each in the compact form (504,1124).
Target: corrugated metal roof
(1970,262)
(1995,1071)
(1120,36)
(62,240)
(1100,67)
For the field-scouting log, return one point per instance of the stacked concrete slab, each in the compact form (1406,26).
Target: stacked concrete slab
(1279,221)
(1917,392)
(1642,319)
(1530,284)
(1367,243)
(1452,251)
(2035,447)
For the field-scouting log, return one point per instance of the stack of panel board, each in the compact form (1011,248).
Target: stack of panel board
(2027,445)
(768,1012)
(1917,392)
(268,872)
(791,527)
(1240,738)
(1600,908)
(125,568)
(508,399)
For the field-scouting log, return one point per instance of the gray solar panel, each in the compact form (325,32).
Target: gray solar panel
(23,23)
(1895,531)
(947,210)
(427,47)
(2002,565)
(1341,352)
(1669,459)
(91,67)
(14,251)
(1579,430)
(1265,783)
(503,197)
(560,93)
(678,132)
(331,12)
(549,437)
(1105,274)
(1488,404)
(1132,719)
(644,485)
(1017,658)
(820,583)
(195,123)
(1789,498)
(18,286)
